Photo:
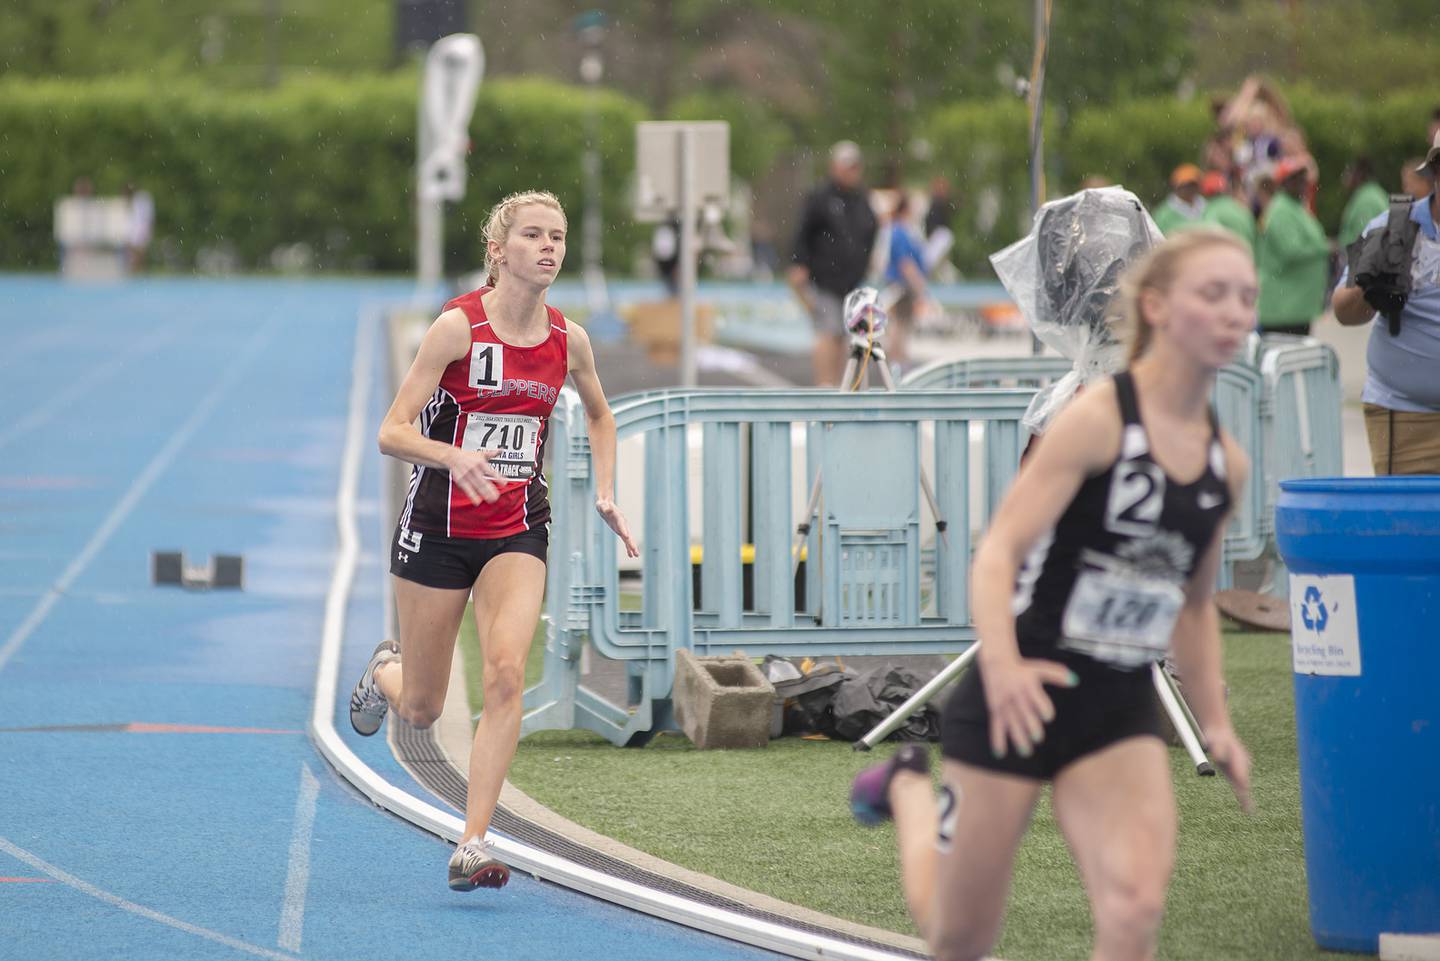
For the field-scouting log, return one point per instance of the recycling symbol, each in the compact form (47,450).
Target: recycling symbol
(1312,610)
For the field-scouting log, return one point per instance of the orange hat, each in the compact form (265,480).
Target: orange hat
(1213,183)
(1288,167)
(1185,174)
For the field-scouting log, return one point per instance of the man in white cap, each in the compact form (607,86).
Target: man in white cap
(1402,392)
(831,255)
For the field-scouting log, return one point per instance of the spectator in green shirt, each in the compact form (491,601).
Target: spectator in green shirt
(1224,208)
(1184,205)
(1368,200)
(1293,255)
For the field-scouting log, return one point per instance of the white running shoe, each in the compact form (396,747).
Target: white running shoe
(367,704)
(473,866)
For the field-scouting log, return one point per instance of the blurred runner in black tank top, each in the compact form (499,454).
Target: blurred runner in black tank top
(1101,559)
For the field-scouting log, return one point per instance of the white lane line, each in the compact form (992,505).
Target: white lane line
(148,476)
(85,887)
(64,402)
(297,880)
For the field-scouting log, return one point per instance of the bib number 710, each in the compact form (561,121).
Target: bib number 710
(511,441)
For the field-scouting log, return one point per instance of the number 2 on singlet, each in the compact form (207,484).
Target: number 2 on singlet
(1137,498)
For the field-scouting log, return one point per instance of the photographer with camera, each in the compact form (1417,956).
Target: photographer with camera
(1394,268)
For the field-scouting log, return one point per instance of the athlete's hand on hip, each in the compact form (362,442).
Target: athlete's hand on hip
(1019,707)
(1233,760)
(608,510)
(473,473)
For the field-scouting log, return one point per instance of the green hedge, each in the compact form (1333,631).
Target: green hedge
(984,148)
(330,162)
(327,162)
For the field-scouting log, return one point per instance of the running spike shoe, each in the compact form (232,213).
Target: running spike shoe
(473,866)
(870,791)
(367,704)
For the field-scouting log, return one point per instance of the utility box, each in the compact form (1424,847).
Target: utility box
(722,702)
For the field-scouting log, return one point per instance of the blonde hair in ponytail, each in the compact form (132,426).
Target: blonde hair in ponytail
(502,218)
(1157,271)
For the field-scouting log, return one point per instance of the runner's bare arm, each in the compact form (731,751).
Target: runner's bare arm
(1196,644)
(601,426)
(1083,440)
(447,340)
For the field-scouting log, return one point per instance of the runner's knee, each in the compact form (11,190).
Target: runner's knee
(1130,912)
(504,683)
(956,939)
(962,946)
(421,714)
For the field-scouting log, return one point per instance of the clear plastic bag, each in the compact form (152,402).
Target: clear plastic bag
(1064,275)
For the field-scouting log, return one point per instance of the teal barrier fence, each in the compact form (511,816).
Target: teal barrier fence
(727,469)
(877,576)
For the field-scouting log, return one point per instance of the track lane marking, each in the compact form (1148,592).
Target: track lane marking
(114,900)
(297,878)
(152,471)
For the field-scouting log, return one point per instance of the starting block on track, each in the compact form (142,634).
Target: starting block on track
(219,570)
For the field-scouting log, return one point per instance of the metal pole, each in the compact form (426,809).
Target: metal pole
(592,69)
(688,256)
(1037,105)
(1037,123)
(1182,719)
(918,700)
(430,225)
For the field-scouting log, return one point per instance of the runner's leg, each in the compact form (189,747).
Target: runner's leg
(429,619)
(1116,808)
(968,871)
(508,597)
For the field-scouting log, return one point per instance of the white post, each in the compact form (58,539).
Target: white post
(448,86)
(430,229)
(688,255)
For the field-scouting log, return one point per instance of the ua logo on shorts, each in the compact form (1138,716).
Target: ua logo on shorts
(409,541)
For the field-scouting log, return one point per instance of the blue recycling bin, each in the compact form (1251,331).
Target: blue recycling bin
(1364,560)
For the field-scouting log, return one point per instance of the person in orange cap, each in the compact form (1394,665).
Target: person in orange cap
(1293,254)
(1224,209)
(1184,207)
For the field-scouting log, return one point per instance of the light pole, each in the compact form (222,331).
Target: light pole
(591,28)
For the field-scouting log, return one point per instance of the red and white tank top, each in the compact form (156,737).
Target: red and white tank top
(497,398)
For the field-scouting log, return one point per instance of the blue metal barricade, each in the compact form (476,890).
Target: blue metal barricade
(1239,403)
(864,552)
(1303,434)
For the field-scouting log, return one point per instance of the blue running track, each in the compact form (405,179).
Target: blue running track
(158,796)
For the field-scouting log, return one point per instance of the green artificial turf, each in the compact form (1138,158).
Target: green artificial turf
(776,820)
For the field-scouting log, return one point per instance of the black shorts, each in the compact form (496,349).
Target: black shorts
(1106,706)
(435,560)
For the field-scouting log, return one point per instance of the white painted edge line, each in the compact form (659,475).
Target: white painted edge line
(321,727)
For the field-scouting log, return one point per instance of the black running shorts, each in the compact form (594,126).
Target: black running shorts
(1106,706)
(455,563)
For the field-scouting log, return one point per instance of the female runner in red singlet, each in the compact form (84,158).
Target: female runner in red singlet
(476,516)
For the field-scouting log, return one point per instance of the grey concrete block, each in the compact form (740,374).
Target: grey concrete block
(722,701)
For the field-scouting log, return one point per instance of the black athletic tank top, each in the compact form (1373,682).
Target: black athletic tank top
(1107,582)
